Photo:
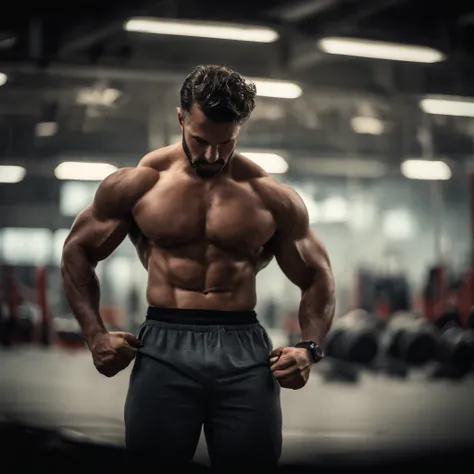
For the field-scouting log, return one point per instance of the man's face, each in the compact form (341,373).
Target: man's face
(208,145)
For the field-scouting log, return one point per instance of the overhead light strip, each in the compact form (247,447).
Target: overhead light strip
(83,171)
(12,174)
(426,170)
(271,162)
(365,48)
(277,89)
(199,29)
(453,106)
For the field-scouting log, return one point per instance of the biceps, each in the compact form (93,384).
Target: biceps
(97,237)
(304,260)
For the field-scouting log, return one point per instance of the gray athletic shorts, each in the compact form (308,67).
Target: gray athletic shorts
(203,368)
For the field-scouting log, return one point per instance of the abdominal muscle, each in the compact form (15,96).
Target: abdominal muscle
(209,279)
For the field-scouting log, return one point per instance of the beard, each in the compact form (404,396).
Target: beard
(201,166)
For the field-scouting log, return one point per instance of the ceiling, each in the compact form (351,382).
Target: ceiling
(63,61)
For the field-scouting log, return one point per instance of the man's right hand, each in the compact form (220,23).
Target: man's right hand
(113,351)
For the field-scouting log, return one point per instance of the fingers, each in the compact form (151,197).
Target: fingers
(296,380)
(128,351)
(289,379)
(287,359)
(306,373)
(125,358)
(276,353)
(293,383)
(289,369)
(132,340)
(288,366)
(115,361)
(121,361)
(280,374)
(283,362)
(116,353)
(292,372)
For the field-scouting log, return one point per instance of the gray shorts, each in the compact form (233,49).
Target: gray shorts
(203,368)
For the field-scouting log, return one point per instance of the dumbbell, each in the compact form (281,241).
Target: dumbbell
(469,338)
(409,338)
(67,331)
(27,320)
(455,344)
(6,325)
(470,319)
(354,338)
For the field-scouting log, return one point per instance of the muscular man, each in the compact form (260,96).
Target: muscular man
(204,220)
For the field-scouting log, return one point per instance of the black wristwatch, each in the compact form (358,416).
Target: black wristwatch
(314,349)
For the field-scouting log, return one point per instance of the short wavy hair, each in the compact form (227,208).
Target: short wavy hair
(222,94)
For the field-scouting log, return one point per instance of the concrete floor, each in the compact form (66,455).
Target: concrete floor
(377,414)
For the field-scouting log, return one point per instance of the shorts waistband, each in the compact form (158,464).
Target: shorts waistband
(204,317)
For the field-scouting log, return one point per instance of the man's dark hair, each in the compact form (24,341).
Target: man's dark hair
(222,95)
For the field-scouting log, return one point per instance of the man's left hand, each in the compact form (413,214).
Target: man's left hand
(291,366)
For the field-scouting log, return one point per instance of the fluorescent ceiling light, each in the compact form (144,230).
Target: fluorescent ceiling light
(11,174)
(334,209)
(425,169)
(75,196)
(199,29)
(399,224)
(277,89)
(342,166)
(46,129)
(270,162)
(82,171)
(457,107)
(379,50)
(367,125)
(94,96)
(3,78)
(30,246)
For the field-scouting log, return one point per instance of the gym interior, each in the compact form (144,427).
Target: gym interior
(365,108)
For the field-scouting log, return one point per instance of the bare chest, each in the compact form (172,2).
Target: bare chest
(228,215)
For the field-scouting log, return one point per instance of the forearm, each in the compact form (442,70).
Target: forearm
(82,290)
(316,310)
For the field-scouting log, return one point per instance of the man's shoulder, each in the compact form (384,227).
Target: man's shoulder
(130,180)
(256,175)
(160,159)
(123,188)
(274,192)
(140,178)
(284,202)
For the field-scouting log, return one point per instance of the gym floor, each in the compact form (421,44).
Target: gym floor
(375,415)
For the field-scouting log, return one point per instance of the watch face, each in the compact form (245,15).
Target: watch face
(314,349)
(317,352)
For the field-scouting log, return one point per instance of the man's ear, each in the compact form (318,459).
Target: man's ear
(180,116)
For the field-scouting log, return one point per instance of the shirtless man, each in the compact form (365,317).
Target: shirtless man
(204,220)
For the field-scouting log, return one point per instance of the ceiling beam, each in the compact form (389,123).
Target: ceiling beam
(295,12)
(305,53)
(94,72)
(347,20)
(91,32)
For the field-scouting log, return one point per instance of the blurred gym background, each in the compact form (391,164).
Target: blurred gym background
(365,107)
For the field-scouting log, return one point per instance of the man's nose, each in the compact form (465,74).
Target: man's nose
(212,154)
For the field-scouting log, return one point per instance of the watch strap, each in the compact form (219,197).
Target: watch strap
(314,349)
